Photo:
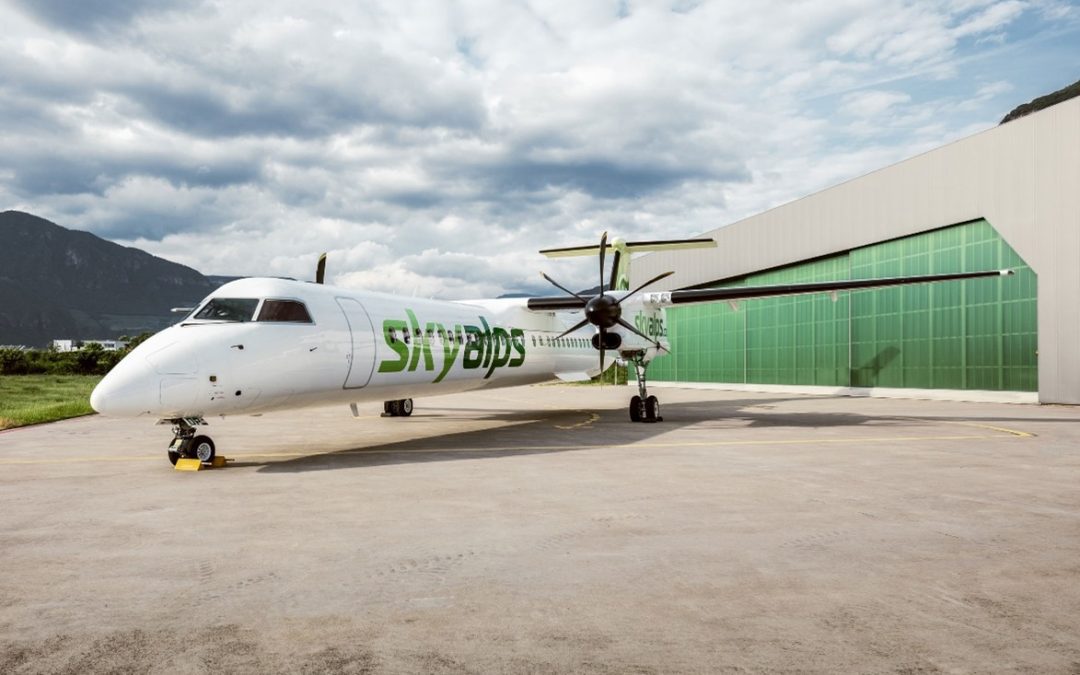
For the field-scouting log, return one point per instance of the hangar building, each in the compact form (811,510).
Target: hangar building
(1006,197)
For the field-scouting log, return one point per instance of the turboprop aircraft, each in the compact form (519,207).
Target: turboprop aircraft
(265,344)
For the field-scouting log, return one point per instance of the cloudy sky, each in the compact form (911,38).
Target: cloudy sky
(434,147)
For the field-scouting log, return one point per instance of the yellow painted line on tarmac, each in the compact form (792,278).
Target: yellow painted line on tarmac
(75,460)
(1011,433)
(977,425)
(1004,430)
(593,417)
(800,441)
(539,448)
(679,444)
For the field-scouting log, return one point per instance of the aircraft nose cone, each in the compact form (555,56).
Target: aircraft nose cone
(130,389)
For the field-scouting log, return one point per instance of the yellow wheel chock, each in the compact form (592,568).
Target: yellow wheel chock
(191,464)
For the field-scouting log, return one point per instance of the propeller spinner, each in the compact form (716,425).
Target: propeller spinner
(605,311)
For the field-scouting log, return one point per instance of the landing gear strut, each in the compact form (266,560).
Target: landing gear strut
(186,444)
(400,408)
(643,408)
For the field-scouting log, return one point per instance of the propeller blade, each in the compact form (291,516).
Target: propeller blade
(556,284)
(630,327)
(584,322)
(601,356)
(603,251)
(320,269)
(650,282)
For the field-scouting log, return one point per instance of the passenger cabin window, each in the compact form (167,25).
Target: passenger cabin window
(285,311)
(227,309)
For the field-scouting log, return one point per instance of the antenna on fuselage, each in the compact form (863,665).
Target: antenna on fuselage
(320,269)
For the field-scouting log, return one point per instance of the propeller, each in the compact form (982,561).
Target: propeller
(605,311)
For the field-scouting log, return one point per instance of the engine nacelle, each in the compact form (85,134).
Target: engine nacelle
(611,340)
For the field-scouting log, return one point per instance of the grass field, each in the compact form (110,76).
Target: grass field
(33,399)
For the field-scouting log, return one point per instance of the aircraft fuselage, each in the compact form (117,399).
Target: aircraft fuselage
(356,347)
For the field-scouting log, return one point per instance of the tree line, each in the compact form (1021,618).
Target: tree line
(91,359)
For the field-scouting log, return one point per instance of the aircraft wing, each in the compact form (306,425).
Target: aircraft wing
(554,304)
(735,293)
(690,296)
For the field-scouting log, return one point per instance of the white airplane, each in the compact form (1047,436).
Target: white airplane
(265,344)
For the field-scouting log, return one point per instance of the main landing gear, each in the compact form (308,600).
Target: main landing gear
(643,408)
(186,444)
(400,408)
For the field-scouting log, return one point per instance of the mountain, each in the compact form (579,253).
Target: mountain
(1041,102)
(61,283)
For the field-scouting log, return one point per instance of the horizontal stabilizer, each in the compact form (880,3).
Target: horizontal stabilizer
(632,247)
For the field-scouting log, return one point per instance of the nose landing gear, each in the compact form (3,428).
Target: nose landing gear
(187,445)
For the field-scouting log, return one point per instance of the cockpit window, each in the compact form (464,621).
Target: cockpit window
(228,309)
(289,311)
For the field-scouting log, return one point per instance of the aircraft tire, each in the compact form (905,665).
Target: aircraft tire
(405,407)
(174,457)
(394,408)
(203,449)
(637,408)
(652,410)
(387,407)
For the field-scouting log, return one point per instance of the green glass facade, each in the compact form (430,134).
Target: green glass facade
(975,334)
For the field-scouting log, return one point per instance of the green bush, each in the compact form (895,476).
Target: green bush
(14,362)
(613,375)
(88,358)
(92,359)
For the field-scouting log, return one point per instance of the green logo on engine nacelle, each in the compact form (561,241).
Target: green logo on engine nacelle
(480,348)
(652,326)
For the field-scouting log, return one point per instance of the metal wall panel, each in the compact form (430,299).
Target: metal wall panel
(977,334)
(1024,177)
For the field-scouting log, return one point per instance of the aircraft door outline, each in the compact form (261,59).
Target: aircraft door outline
(362,354)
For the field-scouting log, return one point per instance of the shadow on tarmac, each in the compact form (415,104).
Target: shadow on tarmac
(534,432)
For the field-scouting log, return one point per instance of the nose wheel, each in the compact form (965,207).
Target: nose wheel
(202,449)
(187,444)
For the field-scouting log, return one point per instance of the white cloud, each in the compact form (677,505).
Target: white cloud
(437,148)
(988,91)
(992,18)
(870,104)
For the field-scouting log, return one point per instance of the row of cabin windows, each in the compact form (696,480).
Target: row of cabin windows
(574,343)
(440,336)
(242,309)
